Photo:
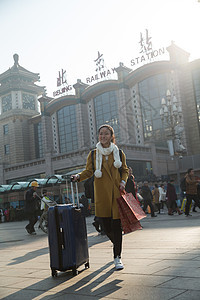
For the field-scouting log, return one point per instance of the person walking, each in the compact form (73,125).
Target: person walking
(162,197)
(191,191)
(31,207)
(130,184)
(7,214)
(171,198)
(110,176)
(156,195)
(148,197)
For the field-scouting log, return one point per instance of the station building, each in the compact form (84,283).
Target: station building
(41,136)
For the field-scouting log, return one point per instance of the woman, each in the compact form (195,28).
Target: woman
(109,179)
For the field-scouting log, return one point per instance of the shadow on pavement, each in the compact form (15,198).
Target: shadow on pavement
(29,256)
(174,221)
(87,286)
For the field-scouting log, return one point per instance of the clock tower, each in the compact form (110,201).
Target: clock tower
(18,104)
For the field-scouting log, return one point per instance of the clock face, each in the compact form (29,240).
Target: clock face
(28,101)
(6,103)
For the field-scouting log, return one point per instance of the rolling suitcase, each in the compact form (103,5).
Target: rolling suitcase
(67,236)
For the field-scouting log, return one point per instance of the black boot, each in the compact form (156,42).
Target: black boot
(96,225)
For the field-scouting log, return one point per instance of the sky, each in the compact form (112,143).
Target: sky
(50,35)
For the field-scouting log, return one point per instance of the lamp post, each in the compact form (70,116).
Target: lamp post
(171,115)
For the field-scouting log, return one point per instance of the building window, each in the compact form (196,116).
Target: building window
(106,111)
(5,129)
(142,169)
(38,140)
(67,129)
(7,149)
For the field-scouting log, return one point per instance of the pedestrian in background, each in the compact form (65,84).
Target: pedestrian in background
(31,207)
(130,184)
(156,195)
(110,177)
(7,214)
(171,198)
(162,197)
(191,191)
(148,197)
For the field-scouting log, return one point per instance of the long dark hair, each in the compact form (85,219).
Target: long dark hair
(111,131)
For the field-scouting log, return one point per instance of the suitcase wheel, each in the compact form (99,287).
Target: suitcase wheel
(87,265)
(54,273)
(74,271)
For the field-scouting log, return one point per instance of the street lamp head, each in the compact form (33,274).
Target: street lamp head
(163,102)
(168,94)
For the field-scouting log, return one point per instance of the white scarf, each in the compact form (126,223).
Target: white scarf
(106,151)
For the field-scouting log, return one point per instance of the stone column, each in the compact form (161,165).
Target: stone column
(48,164)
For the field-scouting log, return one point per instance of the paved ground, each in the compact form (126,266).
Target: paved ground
(162,261)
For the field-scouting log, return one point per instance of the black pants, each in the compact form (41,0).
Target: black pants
(32,217)
(189,198)
(113,230)
(146,203)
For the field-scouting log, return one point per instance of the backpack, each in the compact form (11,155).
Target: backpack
(183,185)
(89,183)
(89,187)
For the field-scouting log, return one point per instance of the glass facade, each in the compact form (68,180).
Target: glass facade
(142,170)
(196,82)
(38,140)
(151,91)
(106,111)
(67,129)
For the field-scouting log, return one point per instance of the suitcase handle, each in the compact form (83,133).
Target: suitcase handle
(73,197)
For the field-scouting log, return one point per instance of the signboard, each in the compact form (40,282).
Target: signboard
(101,71)
(62,84)
(147,53)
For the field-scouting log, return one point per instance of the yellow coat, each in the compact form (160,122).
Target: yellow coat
(106,188)
(156,195)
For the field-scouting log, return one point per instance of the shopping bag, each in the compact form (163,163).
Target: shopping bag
(130,212)
(134,205)
(184,203)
